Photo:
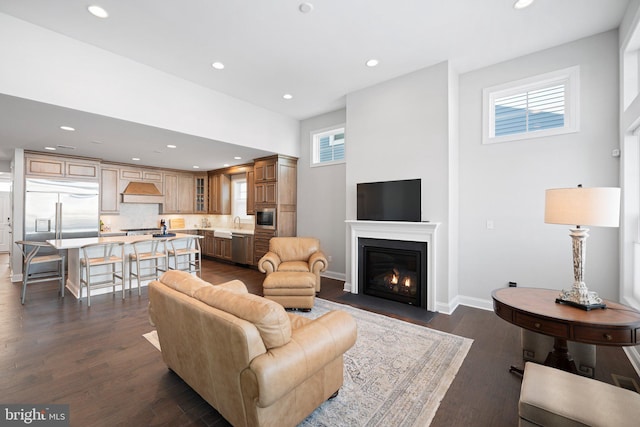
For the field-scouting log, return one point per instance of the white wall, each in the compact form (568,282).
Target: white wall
(321,195)
(505,183)
(48,67)
(400,129)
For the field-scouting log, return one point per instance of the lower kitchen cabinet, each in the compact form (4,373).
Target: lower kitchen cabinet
(222,248)
(207,244)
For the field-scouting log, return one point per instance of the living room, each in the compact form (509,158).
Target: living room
(489,198)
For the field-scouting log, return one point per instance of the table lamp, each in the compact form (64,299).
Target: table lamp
(598,206)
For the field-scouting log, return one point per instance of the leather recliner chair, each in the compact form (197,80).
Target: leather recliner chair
(294,254)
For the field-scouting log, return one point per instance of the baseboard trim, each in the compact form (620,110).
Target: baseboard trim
(333,275)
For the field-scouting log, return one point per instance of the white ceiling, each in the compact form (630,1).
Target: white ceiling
(270,48)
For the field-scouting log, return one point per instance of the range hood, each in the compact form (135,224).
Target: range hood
(142,192)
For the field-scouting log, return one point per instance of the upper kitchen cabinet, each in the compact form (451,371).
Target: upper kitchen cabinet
(109,190)
(43,165)
(115,178)
(178,193)
(219,193)
(201,188)
(275,181)
(141,175)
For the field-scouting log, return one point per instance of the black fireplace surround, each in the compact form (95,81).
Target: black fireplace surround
(393,269)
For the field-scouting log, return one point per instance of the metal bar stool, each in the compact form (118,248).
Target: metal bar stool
(31,259)
(150,259)
(186,255)
(98,267)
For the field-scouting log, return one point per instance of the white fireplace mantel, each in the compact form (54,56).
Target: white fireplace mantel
(395,230)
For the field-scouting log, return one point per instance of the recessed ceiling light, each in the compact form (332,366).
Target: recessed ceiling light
(50,148)
(372,63)
(66,147)
(287,96)
(218,65)
(226,165)
(135,158)
(171,146)
(69,128)
(237,158)
(196,167)
(96,142)
(305,7)
(98,12)
(521,4)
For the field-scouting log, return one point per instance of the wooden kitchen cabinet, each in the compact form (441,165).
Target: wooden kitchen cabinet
(266,169)
(275,186)
(219,194)
(265,193)
(178,193)
(43,165)
(201,188)
(261,243)
(109,190)
(222,248)
(208,244)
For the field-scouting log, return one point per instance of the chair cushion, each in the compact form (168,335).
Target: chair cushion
(269,317)
(300,266)
(183,282)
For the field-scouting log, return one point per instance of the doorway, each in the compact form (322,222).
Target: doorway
(5,221)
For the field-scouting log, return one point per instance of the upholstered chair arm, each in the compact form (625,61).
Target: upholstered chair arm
(318,262)
(313,346)
(269,263)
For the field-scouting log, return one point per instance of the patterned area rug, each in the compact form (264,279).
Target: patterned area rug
(396,374)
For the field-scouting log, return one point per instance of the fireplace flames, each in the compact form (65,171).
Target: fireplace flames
(399,283)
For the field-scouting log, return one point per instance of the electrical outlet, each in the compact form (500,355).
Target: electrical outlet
(329,258)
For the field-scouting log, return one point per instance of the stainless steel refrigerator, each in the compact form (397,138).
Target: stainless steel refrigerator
(58,209)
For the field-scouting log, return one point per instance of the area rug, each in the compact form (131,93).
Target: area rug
(395,375)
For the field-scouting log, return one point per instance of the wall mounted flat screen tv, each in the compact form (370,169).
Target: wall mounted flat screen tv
(390,201)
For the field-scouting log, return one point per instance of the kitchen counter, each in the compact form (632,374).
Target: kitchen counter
(214,229)
(72,246)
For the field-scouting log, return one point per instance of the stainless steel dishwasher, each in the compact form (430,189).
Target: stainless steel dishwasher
(237,248)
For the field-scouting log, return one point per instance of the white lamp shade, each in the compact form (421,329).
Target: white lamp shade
(599,206)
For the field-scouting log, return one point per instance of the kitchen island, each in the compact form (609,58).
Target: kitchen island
(72,246)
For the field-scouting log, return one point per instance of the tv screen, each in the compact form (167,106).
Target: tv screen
(390,201)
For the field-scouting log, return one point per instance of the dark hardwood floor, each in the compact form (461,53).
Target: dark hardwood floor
(95,359)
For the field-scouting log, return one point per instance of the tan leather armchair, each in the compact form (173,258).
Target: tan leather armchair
(294,254)
(252,361)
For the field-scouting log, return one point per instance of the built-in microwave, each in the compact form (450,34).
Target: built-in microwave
(266,218)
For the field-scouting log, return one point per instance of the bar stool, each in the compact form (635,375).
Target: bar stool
(108,255)
(31,259)
(152,253)
(186,255)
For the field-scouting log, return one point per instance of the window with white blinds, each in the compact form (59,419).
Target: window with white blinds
(327,146)
(532,108)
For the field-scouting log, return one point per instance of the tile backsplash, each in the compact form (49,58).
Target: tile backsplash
(138,215)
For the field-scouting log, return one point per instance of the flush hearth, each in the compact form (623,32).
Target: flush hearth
(394,270)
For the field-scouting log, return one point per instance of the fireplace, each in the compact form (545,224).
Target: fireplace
(425,232)
(394,270)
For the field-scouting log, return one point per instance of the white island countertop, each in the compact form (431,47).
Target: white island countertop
(62,244)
